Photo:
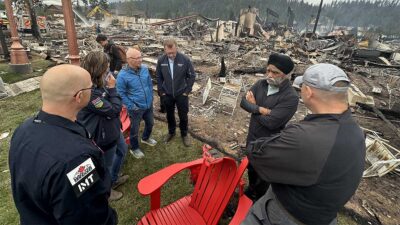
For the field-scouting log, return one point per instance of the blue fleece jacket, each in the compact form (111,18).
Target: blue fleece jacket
(135,88)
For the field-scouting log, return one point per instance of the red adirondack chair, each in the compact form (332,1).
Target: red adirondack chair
(126,123)
(215,181)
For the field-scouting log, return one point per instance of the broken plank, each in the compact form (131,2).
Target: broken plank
(380,114)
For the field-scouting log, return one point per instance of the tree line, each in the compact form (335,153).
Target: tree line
(381,15)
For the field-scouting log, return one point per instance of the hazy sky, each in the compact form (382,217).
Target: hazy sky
(316,2)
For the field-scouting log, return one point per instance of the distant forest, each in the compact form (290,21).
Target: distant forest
(382,15)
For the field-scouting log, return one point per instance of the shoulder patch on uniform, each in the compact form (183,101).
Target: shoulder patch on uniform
(83,177)
(98,103)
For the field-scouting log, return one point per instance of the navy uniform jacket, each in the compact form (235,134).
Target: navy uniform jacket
(101,116)
(184,75)
(58,174)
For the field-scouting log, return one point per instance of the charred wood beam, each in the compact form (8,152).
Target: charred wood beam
(222,72)
(379,113)
(251,70)
(387,112)
(369,63)
(210,141)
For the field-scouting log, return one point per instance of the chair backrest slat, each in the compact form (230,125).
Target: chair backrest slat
(230,190)
(214,187)
(210,190)
(220,193)
(207,181)
(201,181)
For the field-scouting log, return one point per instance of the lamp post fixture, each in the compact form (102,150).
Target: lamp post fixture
(19,62)
(71,32)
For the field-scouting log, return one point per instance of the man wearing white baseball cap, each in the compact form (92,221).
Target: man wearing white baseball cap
(314,166)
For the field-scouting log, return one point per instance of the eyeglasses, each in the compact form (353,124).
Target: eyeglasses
(137,58)
(82,90)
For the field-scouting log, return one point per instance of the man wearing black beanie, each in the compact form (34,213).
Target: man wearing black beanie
(272,102)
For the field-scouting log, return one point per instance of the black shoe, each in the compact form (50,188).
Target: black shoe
(169,137)
(186,141)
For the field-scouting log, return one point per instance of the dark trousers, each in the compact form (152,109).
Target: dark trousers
(257,186)
(162,104)
(182,104)
(136,117)
(267,210)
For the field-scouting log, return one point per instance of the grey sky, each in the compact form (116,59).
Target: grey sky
(316,2)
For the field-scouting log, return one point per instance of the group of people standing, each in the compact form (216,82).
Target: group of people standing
(301,173)
(66,161)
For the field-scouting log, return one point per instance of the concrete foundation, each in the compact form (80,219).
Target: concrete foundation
(21,68)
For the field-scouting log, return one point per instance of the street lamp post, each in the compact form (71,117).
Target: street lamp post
(19,62)
(71,32)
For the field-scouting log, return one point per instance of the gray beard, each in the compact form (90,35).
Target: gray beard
(275,81)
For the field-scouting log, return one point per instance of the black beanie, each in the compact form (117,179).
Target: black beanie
(283,62)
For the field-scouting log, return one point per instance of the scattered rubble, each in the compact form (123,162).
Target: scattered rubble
(230,56)
(379,157)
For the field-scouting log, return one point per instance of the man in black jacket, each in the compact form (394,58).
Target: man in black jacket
(113,51)
(272,102)
(175,79)
(314,166)
(58,174)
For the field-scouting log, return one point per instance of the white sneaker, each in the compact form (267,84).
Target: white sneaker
(149,141)
(137,153)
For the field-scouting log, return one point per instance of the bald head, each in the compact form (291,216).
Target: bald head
(60,83)
(134,58)
(133,52)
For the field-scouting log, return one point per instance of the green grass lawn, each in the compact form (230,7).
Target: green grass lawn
(132,206)
(39,65)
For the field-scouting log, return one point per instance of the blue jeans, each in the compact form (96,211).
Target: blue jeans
(119,157)
(136,117)
(109,157)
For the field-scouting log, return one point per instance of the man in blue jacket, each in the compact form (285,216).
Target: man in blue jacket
(135,87)
(175,79)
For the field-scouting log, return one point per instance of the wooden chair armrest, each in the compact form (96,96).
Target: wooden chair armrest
(243,208)
(151,184)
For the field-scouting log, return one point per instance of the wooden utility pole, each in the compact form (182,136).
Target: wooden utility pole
(316,20)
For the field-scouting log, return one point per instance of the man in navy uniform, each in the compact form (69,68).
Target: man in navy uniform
(57,172)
